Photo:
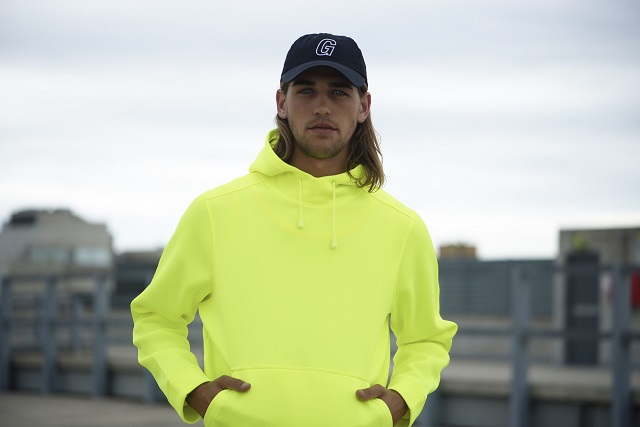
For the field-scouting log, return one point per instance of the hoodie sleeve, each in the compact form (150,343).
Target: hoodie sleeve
(423,337)
(161,313)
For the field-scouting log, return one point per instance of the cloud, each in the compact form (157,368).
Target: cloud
(493,114)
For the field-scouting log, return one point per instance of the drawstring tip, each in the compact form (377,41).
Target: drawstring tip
(300,223)
(334,243)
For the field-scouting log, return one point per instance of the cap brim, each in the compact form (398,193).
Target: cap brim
(353,76)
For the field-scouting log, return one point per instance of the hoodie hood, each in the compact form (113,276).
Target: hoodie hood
(304,188)
(269,164)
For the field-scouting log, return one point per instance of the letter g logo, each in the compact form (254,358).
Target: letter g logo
(325,47)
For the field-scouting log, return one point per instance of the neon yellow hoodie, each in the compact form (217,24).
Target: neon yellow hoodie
(296,279)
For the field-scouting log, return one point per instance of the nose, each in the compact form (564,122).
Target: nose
(322,106)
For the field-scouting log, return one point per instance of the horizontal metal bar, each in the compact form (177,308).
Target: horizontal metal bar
(484,331)
(12,278)
(550,333)
(545,333)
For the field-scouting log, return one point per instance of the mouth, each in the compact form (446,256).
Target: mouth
(322,127)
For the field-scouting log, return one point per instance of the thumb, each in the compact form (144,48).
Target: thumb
(227,382)
(371,392)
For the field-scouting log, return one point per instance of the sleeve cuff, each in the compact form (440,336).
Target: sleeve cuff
(182,384)
(414,399)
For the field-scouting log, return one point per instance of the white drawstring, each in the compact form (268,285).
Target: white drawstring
(300,219)
(334,241)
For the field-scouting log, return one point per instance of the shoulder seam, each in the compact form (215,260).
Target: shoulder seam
(405,210)
(229,187)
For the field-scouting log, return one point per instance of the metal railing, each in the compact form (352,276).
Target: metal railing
(48,320)
(521,332)
(40,315)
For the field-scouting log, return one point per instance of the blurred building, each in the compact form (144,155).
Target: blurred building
(572,292)
(613,245)
(55,242)
(133,272)
(457,251)
(585,286)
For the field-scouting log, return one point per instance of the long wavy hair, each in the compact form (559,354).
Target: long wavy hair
(364,148)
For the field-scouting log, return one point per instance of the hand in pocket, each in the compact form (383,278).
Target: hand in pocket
(396,404)
(200,398)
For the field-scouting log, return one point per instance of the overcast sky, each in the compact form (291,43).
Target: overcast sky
(501,122)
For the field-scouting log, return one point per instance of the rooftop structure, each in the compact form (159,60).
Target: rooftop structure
(54,242)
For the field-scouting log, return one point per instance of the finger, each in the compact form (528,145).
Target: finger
(227,382)
(370,392)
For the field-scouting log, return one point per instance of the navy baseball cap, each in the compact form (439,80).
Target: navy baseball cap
(315,50)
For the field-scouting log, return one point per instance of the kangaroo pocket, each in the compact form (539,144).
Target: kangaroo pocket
(289,397)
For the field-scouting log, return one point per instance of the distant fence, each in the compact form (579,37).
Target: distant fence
(49,320)
(473,287)
(519,291)
(35,321)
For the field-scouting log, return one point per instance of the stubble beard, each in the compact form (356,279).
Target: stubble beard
(321,149)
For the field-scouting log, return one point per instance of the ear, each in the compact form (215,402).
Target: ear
(281,104)
(365,107)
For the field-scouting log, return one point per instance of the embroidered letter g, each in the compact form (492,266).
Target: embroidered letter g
(325,47)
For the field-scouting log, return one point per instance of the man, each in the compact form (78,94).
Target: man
(297,269)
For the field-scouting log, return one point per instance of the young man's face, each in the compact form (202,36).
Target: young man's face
(323,109)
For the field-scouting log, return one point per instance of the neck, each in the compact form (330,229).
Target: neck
(319,167)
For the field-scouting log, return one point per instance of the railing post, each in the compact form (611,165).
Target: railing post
(520,315)
(620,350)
(101,311)
(431,414)
(75,325)
(150,387)
(47,333)
(5,334)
